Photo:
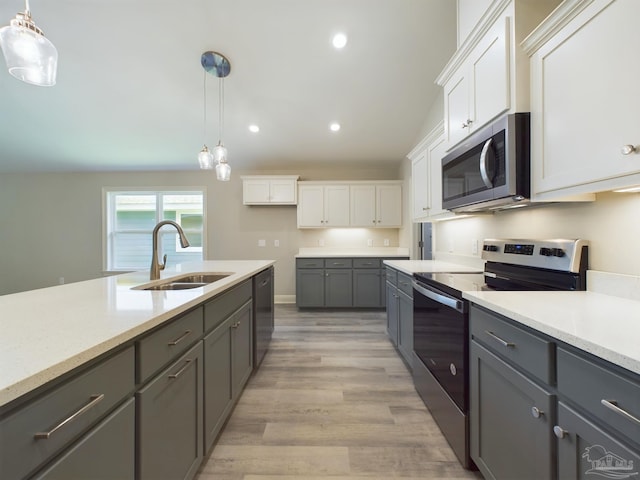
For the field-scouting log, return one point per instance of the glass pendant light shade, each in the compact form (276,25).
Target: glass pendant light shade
(29,55)
(220,153)
(205,159)
(223,172)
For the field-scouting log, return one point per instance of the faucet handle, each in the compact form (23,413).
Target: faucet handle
(164,262)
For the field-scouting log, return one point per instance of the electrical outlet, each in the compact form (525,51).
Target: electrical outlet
(262,243)
(474,246)
(369,242)
(386,242)
(276,243)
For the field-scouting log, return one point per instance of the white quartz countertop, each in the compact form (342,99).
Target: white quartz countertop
(429,266)
(50,331)
(603,325)
(329,252)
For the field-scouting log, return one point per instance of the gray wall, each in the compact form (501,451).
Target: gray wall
(52,223)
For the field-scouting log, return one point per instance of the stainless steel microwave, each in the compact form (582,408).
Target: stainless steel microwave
(490,169)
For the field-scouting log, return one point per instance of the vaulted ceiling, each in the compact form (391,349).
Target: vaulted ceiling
(130,87)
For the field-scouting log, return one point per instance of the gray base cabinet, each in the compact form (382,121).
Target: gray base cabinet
(107,452)
(393,316)
(541,409)
(170,421)
(405,326)
(400,313)
(340,283)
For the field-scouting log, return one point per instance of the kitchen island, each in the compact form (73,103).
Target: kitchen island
(107,371)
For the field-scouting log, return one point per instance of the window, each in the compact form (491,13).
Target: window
(130,217)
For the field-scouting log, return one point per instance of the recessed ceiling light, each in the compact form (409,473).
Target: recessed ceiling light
(339,40)
(334,127)
(254,128)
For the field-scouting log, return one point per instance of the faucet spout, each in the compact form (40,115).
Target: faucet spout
(157,266)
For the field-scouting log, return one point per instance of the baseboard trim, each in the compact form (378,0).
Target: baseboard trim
(284,299)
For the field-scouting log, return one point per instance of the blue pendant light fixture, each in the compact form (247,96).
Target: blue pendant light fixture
(29,55)
(218,65)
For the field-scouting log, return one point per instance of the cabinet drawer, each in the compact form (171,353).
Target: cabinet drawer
(165,344)
(392,276)
(404,284)
(309,262)
(526,350)
(366,263)
(224,305)
(599,391)
(338,263)
(81,400)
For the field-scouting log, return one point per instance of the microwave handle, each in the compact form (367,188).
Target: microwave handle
(483,164)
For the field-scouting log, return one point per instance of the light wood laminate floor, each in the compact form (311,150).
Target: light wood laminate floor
(331,400)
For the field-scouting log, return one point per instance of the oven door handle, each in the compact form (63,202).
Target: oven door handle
(439,297)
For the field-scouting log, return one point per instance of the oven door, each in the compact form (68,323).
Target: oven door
(440,339)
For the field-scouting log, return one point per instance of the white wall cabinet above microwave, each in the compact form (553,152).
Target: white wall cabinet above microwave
(488,75)
(270,189)
(584,95)
(350,204)
(376,205)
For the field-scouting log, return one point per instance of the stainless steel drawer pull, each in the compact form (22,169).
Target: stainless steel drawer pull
(613,405)
(502,342)
(93,401)
(180,338)
(179,372)
(264,282)
(338,264)
(367,263)
(235,325)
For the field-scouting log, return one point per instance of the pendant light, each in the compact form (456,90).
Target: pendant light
(205,157)
(218,65)
(29,55)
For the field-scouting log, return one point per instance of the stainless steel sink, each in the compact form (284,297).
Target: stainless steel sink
(185,282)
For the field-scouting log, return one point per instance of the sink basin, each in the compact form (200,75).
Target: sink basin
(185,282)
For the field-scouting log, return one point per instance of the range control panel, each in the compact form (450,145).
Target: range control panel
(557,254)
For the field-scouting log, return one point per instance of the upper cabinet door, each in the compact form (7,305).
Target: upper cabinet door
(311,206)
(336,206)
(420,186)
(270,190)
(255,191)
(585,102)
(389,205)
(456,108)
(283,191)
(363,206)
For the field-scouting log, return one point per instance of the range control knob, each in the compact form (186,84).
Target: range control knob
(490,248)
(545,251)
(557,252)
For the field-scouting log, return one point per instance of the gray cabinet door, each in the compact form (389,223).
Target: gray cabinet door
(241,348)
(107,452)
(338,287)
(405,326)
(585,451)
(392,313)
(509,439)
(310,287)
(382,287)
(170,421)
(366,288)
(217,381)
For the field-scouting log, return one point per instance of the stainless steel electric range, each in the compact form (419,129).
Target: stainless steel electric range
(441,320)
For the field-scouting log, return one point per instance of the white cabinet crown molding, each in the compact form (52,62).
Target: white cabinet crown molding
(477,34)
(551,25)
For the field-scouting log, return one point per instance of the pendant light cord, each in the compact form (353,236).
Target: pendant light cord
(26,6)
(204,109)
(221,109)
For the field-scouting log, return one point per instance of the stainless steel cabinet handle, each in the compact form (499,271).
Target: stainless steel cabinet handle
(502,342)
(180,338)
(367,263)
(404,283)
(613,405)
(93,401)
(235,325)
(483,164)
(336,264)
(536,412)
(559,432)
(628,149)
(264,283)
(424,209)
(181,371)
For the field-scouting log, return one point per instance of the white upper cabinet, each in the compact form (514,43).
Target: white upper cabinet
(323,206)
(585,101)
(426,177)
(350,204)
(488,75)
(269,190)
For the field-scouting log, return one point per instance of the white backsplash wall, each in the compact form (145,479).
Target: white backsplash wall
(611,224)
(348,237)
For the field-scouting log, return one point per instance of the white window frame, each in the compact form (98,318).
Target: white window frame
(108,218)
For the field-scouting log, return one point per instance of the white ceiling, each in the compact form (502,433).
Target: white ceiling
(129,93)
